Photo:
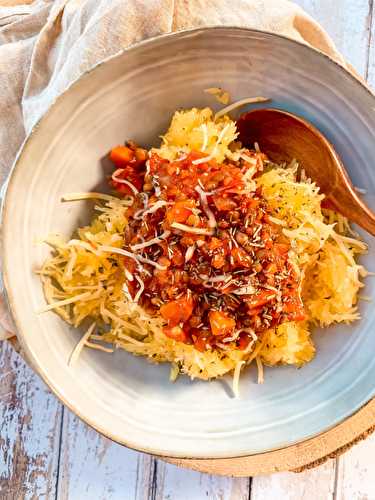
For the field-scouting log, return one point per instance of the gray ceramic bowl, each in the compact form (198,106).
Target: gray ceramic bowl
(133,95)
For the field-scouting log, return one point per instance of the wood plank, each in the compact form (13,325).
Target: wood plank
(348,23)
(370,70)
(30,419)
(173,483)
(315,484)
(93,467)
(356,472)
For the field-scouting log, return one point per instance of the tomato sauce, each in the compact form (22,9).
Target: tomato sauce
(221,269)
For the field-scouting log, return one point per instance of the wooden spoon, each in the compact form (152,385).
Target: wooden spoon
(283,137)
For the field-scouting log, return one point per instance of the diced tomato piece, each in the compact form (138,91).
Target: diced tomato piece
(130,175)
(201,343)
(129,264)
(164,261)
(195,155)
(218,261)
(243,341)
(162,275)
(254,311)
(221,323)
(253,203)
(177,257)
(224,204)
(121,156)
(122,188)
(291,305)
(268,244)
(214,243)
(175,333)
(241,257)
(180,211)
(157,163)
(260,299)
(177,311)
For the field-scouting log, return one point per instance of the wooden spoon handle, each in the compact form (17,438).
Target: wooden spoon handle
(342,194)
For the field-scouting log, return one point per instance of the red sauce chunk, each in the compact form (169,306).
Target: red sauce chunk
(212,262)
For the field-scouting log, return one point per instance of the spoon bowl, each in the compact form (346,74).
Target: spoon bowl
(283,136)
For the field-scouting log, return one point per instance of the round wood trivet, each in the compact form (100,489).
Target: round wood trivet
(297,458)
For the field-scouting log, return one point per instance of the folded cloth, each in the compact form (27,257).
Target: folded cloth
(46,44)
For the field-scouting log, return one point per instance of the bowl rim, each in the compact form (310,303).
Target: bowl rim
(10,297)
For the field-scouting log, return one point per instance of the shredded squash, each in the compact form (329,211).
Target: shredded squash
(83,280)
(196,130)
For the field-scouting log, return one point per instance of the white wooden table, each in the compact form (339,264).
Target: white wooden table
(47,453)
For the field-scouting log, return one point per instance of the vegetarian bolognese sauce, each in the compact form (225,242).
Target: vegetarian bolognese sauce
(216,265)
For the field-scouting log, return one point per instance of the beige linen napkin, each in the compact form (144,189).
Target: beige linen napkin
(46,44)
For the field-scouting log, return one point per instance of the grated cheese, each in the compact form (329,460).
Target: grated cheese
(83,244)
(215,279)
(189,253)
(211,218)
(250,160)
(236,379)
(99,347)
(260,370)
(365,298)
(141,288)
(60,303)
(238,104)
(277,221)
(205,137)
(88,196)
(158,204)
(151,242)
(124,181)
(175,371)
(81,344)
(191,229)
(125,253)
(128,275)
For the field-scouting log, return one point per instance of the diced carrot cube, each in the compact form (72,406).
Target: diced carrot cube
(175,333)
(121,156)
(220,323)
(177,311)
(241,258)
(218,261)
(180,211)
